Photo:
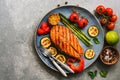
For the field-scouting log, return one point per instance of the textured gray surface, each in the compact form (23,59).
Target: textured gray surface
(18,58)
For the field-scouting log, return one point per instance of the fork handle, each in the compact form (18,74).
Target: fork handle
(58,67)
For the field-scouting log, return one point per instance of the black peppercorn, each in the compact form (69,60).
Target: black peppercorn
(58,5)
(66,2)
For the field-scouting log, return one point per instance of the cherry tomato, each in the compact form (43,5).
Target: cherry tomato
(100,9)
(103,21)
(82,22)
(109,11)
(74,17)
(47,29)
(113,18)
(44,29)
(40,31)
(111,25)
(44,25)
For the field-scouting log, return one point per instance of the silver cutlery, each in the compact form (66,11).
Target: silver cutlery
(62,64)
(49,55)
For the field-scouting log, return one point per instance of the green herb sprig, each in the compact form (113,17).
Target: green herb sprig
(103,73)
(96,40)
(92,74)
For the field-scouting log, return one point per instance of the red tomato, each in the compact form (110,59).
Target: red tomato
(100,9)
(74,17)
(109,11)
(103,21)
(82,22)
(47,29)
(111,25)
(44,29)
(44,25)
(40,31)
(113,18)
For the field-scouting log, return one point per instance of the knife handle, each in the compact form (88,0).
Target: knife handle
(58,67)
(63,65)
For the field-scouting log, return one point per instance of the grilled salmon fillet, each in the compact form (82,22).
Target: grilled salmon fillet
(66,41)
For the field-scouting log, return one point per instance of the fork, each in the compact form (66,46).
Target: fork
(49,55)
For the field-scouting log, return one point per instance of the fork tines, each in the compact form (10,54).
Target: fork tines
(45,51)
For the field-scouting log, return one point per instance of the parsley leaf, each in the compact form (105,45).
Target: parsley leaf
(103,73)
(92,74)
(96,40)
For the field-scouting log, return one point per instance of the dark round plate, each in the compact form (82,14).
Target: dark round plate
(67,10)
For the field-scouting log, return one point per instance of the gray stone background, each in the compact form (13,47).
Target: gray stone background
(18,58)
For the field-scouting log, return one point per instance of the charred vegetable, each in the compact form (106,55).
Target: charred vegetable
(61,58)
(53,51)
(79,68)
(54,19)
(93,31)
(89,54)
(45,42)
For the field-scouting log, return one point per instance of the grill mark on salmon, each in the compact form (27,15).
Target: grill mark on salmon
(63,38)
(57,40)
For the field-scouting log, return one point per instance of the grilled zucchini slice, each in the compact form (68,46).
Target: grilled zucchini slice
(53,51)
(89,54)
(61,58)
(93,31)
(45,42)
